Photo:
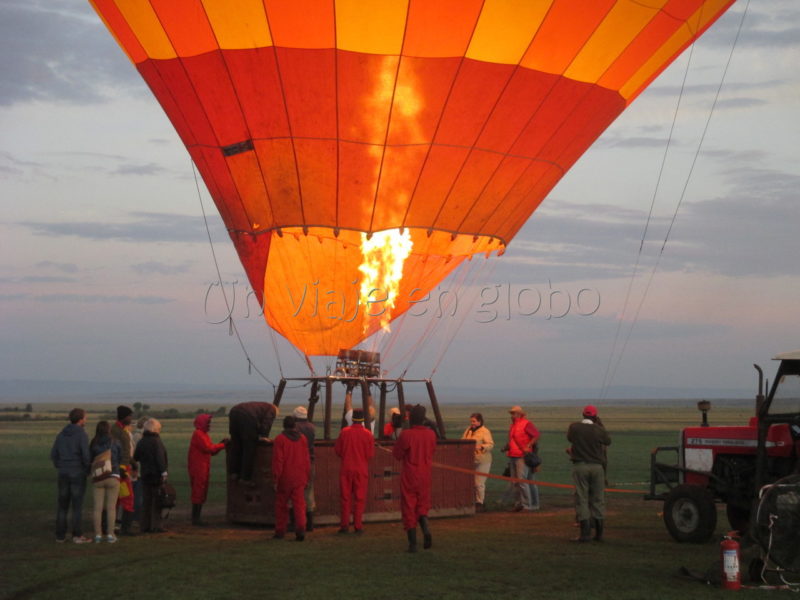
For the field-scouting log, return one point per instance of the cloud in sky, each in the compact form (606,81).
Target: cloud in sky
(58,266)
(723,234)
(56,51)
(85,298)
(777,27)
(159,268)
(37,279)
(139,169)
(143,227)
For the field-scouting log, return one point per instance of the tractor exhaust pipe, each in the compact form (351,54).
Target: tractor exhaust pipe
(760,392)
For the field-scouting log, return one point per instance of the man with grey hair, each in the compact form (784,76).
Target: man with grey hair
(152,458)
(70,455)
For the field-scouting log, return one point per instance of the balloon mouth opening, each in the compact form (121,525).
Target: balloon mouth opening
(423,240)
(325,292)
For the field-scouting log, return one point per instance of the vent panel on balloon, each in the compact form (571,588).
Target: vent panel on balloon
(358,363)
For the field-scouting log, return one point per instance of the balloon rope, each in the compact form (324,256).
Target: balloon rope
(677,208)
(231,323)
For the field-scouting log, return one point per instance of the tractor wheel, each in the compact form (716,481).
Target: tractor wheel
(690,514)
(738,517)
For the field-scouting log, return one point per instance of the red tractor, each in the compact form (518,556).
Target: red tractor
(730,464)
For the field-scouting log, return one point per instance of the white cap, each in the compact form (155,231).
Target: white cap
(300,413)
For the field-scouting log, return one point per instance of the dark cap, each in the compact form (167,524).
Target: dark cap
(122,412)
(418,415)
(358,415)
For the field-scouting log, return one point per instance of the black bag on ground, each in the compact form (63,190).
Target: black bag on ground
(166,495)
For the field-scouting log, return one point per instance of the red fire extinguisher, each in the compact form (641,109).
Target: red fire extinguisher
(729,552)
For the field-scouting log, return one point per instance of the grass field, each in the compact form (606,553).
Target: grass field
(497,554)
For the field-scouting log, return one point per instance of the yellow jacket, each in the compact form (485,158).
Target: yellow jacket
(483,441)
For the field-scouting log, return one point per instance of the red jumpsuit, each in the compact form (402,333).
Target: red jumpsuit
(291,467)
(201,449)
(415,447)
(355,446)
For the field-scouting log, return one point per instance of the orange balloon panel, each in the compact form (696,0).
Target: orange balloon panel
(348,116)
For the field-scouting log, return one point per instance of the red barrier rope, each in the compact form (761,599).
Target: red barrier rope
(517,479)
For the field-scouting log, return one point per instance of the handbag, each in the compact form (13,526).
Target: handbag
(166,495)
(532,459)
(101,466)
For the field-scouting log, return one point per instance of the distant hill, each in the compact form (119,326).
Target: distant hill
(96,391)
(27,388)
(619,392)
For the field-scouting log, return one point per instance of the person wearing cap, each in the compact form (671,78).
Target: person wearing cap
(201,449)
(415,448)
(291,467)
(347,411)
(522,437)
(392,429)
(128,467)
(306,427)
(484,443)
(589,440)
(355,446)
(249,422)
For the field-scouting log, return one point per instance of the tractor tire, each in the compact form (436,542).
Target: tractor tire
(690,514)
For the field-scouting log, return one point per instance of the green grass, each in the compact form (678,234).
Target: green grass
(493,555)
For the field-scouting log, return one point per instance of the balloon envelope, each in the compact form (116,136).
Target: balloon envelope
(316,123)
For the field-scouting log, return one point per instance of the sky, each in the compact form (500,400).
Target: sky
(106,272)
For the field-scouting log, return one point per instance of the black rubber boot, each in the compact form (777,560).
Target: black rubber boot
(598,530)
(309,521)
(125,526)
(586,532)
(412,540)
(299,536)
(197,510)
(426,532)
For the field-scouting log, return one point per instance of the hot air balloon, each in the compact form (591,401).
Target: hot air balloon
(359,150)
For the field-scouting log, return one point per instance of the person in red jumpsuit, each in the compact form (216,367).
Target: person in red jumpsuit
(355,446)
(201,449)
(415,447)
(291,467)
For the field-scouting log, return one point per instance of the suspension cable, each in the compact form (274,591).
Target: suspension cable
(233,330)
(678,205)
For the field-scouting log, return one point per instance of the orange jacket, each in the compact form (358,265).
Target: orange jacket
(520,435)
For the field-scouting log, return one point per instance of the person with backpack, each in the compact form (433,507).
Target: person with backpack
(106,455)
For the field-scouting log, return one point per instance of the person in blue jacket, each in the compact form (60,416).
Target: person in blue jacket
(70,455)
